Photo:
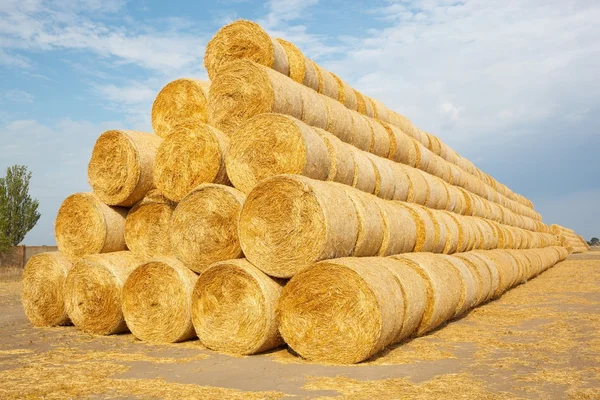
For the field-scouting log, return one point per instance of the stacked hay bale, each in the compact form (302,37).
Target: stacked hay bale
(261,194)
(569,239)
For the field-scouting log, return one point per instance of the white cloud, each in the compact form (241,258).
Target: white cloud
(15,96)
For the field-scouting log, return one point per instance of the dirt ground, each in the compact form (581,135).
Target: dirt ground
(541,340)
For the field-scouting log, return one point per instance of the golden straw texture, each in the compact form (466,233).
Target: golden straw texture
(180,104)
(156,301)
(234,308)
(362,318)
(85,225)
(189,157)
(42,289)
(204,226)
(147,226)
(93,291)
(120,170)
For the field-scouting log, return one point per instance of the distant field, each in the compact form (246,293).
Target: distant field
(540,340)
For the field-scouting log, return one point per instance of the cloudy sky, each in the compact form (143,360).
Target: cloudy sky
(512,85)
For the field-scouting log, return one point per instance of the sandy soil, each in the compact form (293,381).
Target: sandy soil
(540,340)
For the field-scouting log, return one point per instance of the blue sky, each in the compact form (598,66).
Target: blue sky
(513,86)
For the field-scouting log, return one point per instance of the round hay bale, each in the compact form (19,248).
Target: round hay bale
(156,301)
(93,291)
(414,293)
(400,229)
(311,75)
(419,186)
(339,119)
(362,318)
(346,94)
(371,223)
(365,174)
(438,193)
(120,170)
(42,289)
(189,157)
(244,40)
(385,183)
(329,86)
(316,113)
(234,306)
(382,140)
(204,226)
(289,222)
(503,271)
(147,226)
(481,275)
(182,104)
(275,144)
(243,89)
(402,148)
(361,136)
(296,61)
(341,162)
(469,289)
(439,229)
(453,232)
(493,271)
(441,283)
(85,225)
(402,183)
(425,240)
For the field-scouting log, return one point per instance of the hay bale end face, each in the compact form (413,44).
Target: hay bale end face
(42,289)
(147,226)
(289,222)
(360,320)
(93,291)
(233,308)
(181,103)
(204,226)
(244,40)
(156,301)
(85,225)
(120,170)
(275,144)
(188,158)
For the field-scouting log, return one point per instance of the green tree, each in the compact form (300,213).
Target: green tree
(18,211)
(594,241)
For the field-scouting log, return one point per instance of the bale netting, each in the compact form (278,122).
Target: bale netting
(244,89)
(425,229)
(93,291)
(182,104)
(341,161)
(289,222)
(188,157)
(400,229)
(234,308)
(147,226)
(85,225)
(120,170)
(244,40)
(42,289)
(363,317)
(441,282)
(371,223)
(156,301)
(275,144)
(204,226)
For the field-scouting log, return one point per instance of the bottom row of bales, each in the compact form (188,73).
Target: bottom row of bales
(342,310)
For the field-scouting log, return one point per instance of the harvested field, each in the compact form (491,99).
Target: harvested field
(539,340)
